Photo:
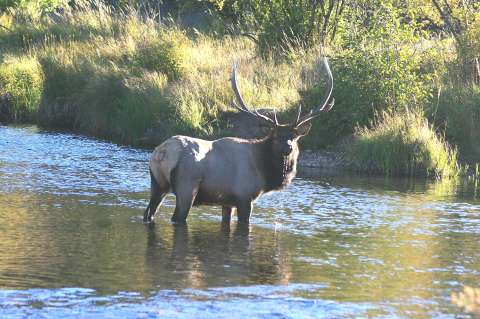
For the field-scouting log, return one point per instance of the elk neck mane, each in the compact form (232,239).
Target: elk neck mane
(278,171)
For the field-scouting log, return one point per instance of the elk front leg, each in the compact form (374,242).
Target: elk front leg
(244,209)
(227,213)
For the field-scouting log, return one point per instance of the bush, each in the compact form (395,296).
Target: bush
(402,144)
(166,54)
(458,114)
(143,107)
(367,81)
(377,68)
(281,24)
(22,80)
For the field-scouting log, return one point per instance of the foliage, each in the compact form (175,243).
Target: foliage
(98,97)
(457,112)
(462,20)
(21,79)
(112,69)
(375,71)
(165,54)
(135,74)
(281,24)
(29,27)
(33,9)
(468,300)
(402,143)
(468,47)
(5,4)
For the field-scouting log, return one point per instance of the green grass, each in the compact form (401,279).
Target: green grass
(137,75)
(123,76)
(29,26)
(457,112)
(21,78)
(403,144)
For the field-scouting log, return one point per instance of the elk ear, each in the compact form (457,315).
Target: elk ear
(303,129)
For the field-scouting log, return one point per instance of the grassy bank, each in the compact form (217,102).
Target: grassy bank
(123,76)
(403,144)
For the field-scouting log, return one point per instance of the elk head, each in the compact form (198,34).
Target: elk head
(284,137)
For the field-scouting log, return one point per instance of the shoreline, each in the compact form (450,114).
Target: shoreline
(325,162)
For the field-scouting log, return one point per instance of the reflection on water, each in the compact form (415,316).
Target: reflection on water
(72,242)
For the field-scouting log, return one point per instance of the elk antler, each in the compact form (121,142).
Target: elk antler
(324,106)
(243,106)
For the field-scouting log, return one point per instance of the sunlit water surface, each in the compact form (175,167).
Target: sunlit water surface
(72,242)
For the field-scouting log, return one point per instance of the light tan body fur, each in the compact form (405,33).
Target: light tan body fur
(230,172)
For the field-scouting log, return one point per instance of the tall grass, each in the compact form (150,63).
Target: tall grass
(457,112)
(403,144)
(21,83)
(30,26)
(124,76)
(118,75)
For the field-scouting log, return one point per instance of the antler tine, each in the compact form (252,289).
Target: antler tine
(325,106)
(275,116)
(243,106)
(299,113)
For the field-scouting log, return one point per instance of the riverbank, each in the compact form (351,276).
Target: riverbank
(133,80)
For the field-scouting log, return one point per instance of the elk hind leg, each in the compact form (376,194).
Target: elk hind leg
(185,196)
(244,210)
(227,213)
(157,194)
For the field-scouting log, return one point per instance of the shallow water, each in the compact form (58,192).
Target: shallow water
(72,242)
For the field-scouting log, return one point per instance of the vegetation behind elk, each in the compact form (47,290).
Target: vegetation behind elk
(406,72)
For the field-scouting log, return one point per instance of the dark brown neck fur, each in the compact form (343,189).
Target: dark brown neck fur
(278,171)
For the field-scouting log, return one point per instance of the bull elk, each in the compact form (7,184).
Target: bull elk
(231,172)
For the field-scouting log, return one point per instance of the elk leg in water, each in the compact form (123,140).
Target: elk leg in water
(185,196)
(244,209)
(155,200)
(227,213)
(157,194)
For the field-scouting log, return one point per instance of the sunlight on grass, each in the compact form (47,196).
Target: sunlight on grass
(22,79)
(403,144)
(74,68)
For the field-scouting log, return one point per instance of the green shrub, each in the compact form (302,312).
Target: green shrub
(143,107)
(165,54)
(97,88)
(22,79)
(402,143)
(377,68)
(457,112)
(366,81)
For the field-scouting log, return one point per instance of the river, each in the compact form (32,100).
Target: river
(72,242)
